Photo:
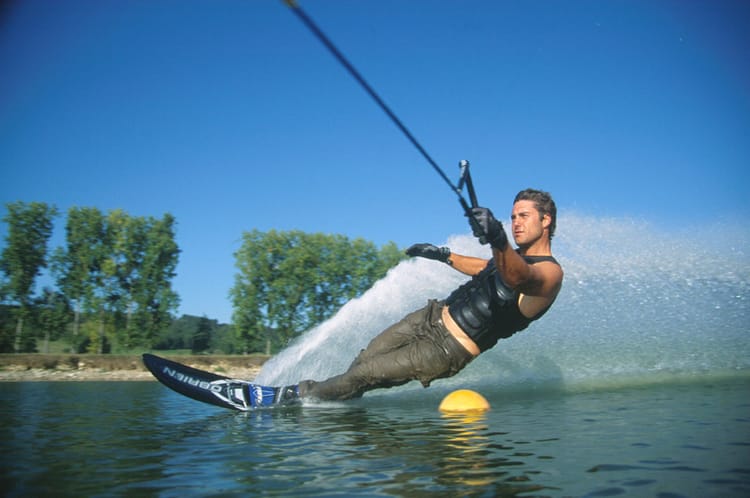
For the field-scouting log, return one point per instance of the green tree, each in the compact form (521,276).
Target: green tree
(224,340)
(25,255)
(52,312)
(202,336)
(291,281)
(151,292)
(126,247)
(6,329)
(6,317)
(129,250)
(191,332)
(78,267)
(118,269)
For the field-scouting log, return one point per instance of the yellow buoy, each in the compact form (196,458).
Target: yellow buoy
(464,400)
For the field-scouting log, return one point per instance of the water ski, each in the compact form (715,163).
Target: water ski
(216,389)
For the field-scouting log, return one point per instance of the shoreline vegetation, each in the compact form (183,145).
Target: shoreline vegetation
(105,367)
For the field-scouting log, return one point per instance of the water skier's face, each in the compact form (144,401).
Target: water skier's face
(526,223)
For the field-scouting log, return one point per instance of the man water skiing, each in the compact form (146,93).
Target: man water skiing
(505,294)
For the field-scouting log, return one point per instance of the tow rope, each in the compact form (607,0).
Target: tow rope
(465,176)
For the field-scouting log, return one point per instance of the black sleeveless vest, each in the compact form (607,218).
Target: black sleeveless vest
(487,310)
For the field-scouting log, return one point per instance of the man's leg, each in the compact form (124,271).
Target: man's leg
(384,363)
(412,349)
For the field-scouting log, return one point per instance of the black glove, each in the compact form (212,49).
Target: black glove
(430,251)
(487,228)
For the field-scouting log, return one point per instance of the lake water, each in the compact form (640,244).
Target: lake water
(635,383)
(140,439)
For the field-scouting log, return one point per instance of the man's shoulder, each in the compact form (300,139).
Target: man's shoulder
(532,260)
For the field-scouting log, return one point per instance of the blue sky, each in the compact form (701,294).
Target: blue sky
(232,116)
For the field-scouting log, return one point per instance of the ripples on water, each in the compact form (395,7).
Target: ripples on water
(139,439)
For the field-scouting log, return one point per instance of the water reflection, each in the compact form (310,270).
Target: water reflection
(139,439)
(323,450)
(404,454)
(470,460)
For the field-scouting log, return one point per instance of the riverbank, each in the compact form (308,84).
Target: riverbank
(93,367)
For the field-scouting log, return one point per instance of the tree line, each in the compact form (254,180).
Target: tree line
(113,277)
(113,284)
(288,282)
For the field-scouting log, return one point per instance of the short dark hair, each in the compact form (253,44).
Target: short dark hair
(543,203)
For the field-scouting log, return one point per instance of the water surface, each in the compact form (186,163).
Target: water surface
(140,439)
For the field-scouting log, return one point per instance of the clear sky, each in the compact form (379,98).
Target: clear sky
(232,116)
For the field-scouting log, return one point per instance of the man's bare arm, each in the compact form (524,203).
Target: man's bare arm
(542,279)
(467,264)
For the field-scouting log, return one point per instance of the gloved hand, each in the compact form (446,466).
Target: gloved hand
(430,251)
(487,228)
